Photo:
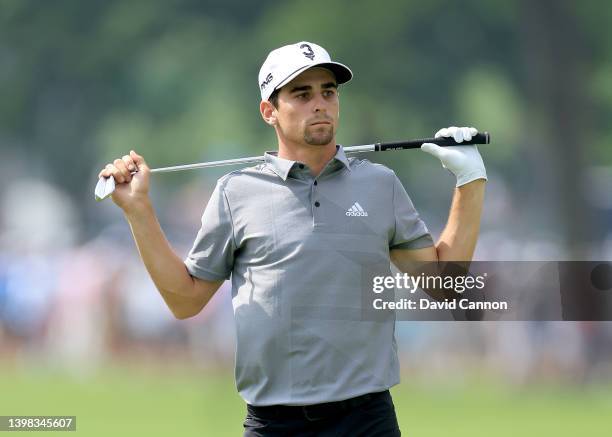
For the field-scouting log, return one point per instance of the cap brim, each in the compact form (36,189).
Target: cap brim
(342,72)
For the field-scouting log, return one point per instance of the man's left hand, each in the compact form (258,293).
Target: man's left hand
(464,162)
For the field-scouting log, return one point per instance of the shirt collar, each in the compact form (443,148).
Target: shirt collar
(282,166)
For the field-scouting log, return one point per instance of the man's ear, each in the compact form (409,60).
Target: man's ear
(268,112)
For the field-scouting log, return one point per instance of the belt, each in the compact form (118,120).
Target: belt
(312,412)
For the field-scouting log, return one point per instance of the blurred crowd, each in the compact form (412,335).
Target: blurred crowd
(79,306)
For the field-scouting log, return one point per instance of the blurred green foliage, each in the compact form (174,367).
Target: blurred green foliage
(84,82)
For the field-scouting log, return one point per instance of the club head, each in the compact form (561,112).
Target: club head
(104,188)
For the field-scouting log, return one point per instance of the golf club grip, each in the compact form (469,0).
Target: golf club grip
(480,138)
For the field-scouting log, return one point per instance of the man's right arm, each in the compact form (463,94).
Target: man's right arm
(184,294)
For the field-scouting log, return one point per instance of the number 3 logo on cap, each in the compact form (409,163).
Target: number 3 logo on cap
(309,53)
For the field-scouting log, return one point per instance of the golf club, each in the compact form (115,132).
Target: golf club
(106,186)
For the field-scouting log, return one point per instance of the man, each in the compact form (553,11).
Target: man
(298,234)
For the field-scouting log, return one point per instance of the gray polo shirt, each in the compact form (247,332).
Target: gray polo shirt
(301,251)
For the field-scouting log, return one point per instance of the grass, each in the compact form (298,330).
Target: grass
(134,401)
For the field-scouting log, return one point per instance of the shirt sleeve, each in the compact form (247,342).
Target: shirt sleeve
(410,231)
(212,255)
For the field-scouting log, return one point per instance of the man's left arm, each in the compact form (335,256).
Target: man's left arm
(458,239)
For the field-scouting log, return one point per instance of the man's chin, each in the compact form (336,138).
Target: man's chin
(315,142)
(319,138)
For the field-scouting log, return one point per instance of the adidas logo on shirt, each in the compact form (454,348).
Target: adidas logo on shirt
(356,211)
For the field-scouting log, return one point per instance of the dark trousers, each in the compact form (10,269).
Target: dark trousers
(371,415)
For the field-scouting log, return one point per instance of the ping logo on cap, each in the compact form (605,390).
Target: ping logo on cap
(266,81)
(309,53)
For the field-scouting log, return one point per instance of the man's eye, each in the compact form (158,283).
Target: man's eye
(302,96)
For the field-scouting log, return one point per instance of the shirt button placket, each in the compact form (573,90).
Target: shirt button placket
(316,204)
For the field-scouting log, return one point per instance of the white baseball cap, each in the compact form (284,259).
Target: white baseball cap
(285,63)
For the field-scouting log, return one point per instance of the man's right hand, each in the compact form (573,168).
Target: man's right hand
(131,174)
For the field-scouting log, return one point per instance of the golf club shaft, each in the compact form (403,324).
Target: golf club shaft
(481,138)
(106,186)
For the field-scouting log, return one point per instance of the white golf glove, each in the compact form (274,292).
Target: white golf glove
(463,161)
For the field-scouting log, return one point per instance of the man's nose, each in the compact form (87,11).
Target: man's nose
(320,104)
